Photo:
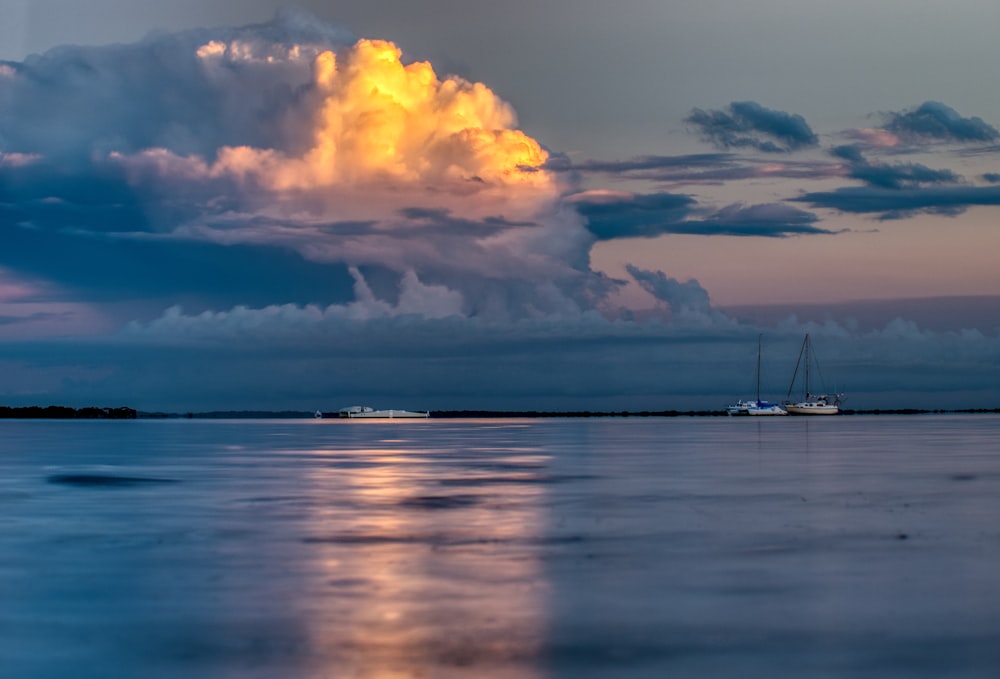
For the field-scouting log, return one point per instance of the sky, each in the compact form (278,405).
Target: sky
(545,205)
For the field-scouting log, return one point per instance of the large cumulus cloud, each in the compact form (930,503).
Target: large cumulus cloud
(290,137)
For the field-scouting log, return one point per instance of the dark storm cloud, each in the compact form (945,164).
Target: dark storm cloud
(95,266)
(992,177)
(747,124)
(46,194)
(87,231)
(650,215)
(934,120)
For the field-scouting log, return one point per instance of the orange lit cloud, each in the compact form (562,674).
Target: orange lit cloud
(346,155)
(384,164)
(379,121)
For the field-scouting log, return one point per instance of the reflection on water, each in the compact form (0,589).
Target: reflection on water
(846,546)
(426,560)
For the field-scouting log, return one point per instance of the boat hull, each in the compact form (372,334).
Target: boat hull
(812,409)
(368,413)
(770,410)
(758,409)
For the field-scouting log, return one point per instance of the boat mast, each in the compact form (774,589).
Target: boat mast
(806,348)
(758,367)
(803,350)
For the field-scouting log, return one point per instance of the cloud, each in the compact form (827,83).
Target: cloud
(685,299)
(895,203)
(656,163)
(902,175)
(294,102)
(935,121)
(750,125)
(770,219)
(289,321)
(378,120)
(703,168)
(615,214)
(891,176)
(72,101)
(853,153)
(899,190)
(747,124)
(612,215)
(140,162)
(873,138)
(57,245)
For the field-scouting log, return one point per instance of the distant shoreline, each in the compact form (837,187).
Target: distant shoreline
(67,413)
(126,413)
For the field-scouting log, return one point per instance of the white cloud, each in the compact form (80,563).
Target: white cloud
(290,322)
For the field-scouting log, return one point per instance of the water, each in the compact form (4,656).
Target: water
(821,547)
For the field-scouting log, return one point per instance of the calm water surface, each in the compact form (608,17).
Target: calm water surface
(826,547)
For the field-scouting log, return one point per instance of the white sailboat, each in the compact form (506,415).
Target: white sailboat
(756,407)
(812,404)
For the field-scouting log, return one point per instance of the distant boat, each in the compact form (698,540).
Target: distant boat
(366,412)
(756,406)
(811,404)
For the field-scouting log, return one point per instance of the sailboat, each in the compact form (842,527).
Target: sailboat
(812,404)
(756,407)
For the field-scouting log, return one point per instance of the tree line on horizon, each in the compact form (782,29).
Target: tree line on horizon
(67,413)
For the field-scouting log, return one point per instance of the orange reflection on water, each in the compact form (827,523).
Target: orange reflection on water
(429,568)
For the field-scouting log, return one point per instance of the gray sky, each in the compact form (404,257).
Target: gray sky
(184,193)
(609,79)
